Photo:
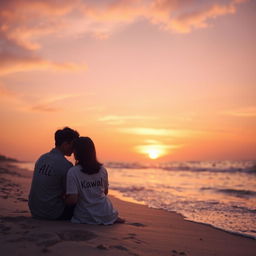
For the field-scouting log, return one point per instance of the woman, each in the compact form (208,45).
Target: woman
(87,187)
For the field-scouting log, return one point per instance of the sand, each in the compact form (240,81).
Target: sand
(146,231)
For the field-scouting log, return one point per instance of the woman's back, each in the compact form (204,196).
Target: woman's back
(93,206)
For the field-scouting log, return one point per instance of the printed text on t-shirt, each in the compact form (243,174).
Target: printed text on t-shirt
(45,170)
(91,184)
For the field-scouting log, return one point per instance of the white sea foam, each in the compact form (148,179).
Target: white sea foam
(225,199)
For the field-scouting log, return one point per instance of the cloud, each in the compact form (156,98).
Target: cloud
(17,65)
(42,108)
(47,104)
(146,131)
(16,58)
(4,92)
(170,133)
(185,23)
(155,132)
(152,141)
(160,147)
(171,15)
(23,24)
(242,112)
(96,108)
(118,119)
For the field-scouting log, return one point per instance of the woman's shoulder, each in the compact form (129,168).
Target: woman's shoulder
(74,169)
(103,169)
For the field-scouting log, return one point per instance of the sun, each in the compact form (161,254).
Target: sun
(153,153)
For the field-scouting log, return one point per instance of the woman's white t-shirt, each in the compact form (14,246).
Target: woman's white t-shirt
(93,206)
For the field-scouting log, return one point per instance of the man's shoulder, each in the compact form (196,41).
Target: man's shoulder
(44,157)
(55,159)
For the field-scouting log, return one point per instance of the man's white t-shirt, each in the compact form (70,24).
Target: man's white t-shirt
(93,206)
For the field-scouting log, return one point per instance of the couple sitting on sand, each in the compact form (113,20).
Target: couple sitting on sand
(61,191)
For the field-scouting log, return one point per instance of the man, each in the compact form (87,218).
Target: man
(46,198)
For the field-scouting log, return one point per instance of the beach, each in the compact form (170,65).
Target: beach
(147,231)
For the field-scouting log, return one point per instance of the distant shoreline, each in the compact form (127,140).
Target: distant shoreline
(8,159)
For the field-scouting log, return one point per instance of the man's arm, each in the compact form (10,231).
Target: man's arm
(71,199)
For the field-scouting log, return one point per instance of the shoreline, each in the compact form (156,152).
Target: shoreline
(147,231)
(221,229)
(131,200)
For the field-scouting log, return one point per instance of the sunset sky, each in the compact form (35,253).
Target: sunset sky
(166,79)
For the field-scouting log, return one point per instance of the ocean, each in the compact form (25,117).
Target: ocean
(218,193)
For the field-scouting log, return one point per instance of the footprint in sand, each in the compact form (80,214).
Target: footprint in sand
(45,250)
(76,235)
(119,247)
(178,253)
(132,236)
(39,238)
(102,247)
(136,224)
(26,226)
(22,199)
(4,228)
(45,239)
(18,211)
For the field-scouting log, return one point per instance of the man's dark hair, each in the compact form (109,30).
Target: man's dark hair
(65,135)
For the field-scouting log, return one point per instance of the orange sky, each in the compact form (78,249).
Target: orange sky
(174,80)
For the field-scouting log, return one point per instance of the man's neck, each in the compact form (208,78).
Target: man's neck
(60,150)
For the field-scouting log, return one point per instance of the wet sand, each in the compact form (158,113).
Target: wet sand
(146,231)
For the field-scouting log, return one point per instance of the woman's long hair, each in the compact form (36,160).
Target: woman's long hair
(85,155)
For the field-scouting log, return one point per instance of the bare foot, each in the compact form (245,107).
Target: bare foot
(120,220)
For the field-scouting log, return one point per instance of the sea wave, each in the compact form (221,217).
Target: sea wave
(238,192)
(244,209)
(131,189)
(232,192)
(225,215)
(248,167)
(193,166)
